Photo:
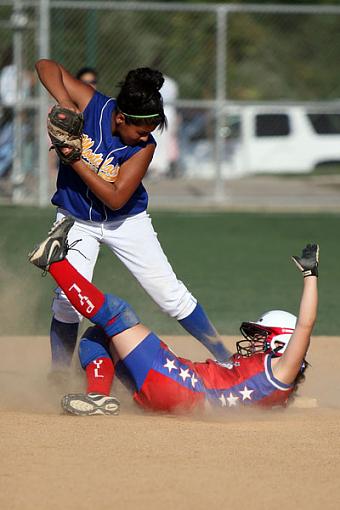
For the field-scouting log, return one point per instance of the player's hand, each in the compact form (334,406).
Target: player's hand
(308,262)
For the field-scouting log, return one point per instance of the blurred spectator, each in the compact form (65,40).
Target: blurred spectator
(164,162)
(9,96)
(6,143)
(88,75)
(8,81)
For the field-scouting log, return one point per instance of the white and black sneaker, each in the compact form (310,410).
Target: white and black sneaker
(55,247)
(89,404)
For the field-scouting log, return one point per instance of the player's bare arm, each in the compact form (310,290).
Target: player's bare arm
(287,367)
(66,89)
(115,194)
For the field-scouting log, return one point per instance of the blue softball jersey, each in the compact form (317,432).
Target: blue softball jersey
(104,153)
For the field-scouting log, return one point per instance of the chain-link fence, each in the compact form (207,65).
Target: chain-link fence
(250,88)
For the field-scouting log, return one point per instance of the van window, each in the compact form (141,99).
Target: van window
(325,123)
(272,125)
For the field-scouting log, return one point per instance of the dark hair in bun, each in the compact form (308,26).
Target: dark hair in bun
(139,98)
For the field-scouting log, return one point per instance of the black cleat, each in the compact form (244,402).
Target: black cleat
(55,247)
(89,404)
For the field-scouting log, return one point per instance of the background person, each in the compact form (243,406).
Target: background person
(10,93)
(265,371)
(104,192)
(88,75)
(164,162)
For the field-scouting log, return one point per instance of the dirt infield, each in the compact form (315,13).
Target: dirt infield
(241,459)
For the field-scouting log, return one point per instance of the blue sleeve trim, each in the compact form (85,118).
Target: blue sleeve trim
(270,376)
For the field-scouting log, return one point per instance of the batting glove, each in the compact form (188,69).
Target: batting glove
(308,262)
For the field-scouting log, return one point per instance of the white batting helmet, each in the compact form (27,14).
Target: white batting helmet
(271,332)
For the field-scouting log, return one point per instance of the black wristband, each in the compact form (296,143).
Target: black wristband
(311,272)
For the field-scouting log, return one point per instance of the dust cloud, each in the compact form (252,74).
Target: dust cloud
(26,386)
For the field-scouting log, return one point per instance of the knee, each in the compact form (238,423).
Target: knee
(116,315)
(177,302)
(93,344)
(63,311)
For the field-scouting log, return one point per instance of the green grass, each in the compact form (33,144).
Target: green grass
(237,265)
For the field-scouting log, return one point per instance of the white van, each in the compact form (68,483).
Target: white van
(268,139)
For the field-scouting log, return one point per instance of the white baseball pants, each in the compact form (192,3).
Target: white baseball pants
(135,243)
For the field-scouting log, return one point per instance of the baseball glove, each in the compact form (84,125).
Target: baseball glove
(308,261)
(65,129)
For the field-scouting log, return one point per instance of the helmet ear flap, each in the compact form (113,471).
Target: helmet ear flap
(281,326)
(278,343)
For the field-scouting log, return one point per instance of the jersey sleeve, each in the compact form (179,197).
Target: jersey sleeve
(270,376)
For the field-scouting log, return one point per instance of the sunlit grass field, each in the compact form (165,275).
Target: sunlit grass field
(237,264)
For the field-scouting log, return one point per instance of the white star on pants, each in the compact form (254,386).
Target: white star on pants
(170,364)
(193,380)
(223,400)
(232,399)
(246,393)
(184,374)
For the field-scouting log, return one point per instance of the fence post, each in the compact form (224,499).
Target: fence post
(19,22)
(44,51)
(221,69)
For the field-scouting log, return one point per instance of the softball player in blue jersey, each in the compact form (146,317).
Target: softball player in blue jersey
(104,192)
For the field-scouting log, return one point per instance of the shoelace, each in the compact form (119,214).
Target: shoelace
(68,248)
(71,247)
